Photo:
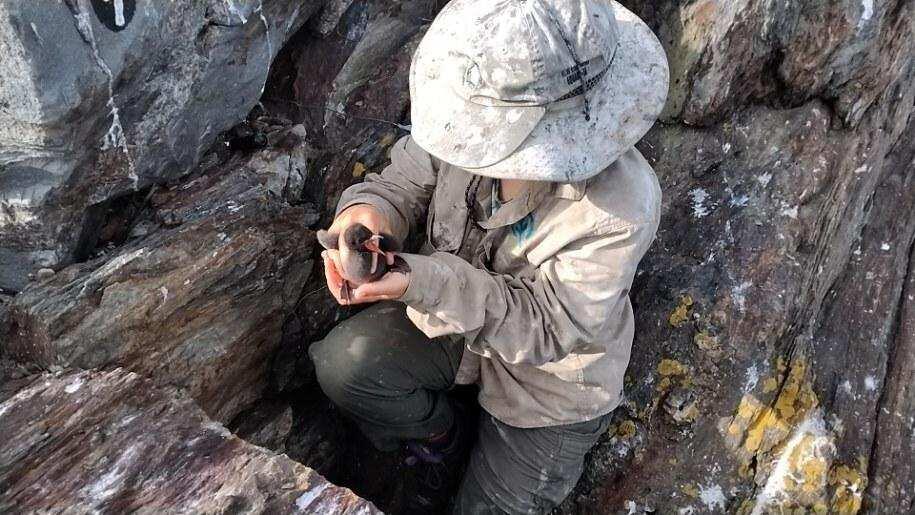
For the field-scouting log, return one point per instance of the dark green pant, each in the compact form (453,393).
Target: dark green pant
(392,380)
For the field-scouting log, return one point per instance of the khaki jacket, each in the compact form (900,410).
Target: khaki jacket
(538,291)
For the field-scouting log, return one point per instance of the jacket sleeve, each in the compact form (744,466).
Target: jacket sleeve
(574,298)
(402,191)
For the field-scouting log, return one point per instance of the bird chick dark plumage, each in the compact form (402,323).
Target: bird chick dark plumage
(363,254)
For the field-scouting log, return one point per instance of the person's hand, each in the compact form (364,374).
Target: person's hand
(391,286)
(364,214)
(335,282)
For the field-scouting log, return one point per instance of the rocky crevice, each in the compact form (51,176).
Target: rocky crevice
(774,326)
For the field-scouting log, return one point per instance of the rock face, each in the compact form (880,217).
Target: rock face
(97,104)
(775,295)
(112,442)
(775,342)
(195,298)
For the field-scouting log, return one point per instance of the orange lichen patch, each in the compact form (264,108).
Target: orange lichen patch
(680,314)
(849,484)
(706,342)
(358,169)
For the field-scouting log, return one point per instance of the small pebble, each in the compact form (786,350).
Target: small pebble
(44,274)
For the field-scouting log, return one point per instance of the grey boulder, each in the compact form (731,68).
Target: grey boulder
(100,99)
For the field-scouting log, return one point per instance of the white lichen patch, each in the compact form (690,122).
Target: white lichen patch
(712,497)
(846,386)
(790,212)
(885,246)
(739,295)
(752,378)
(764,179)
(74,385)
(699,196)
(867,12)
(739,200)
(870,383)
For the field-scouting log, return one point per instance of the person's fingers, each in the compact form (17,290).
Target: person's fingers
(364,214)
(389,287)
(331,269)
(389,258)
(334,281)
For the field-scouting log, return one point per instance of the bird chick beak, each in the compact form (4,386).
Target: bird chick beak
(373,244)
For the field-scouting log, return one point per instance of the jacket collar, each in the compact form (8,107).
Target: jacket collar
(522,205)
(570,190)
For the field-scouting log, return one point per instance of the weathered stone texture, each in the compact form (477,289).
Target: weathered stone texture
(112,442)
(92,110)
(773,293)
(196,298)
(774,352)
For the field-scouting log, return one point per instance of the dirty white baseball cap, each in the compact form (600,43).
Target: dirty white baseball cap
(552,90)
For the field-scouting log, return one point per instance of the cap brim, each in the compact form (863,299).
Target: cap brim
(561,146)
(455,130)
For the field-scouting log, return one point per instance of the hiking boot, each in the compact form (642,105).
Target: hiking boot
(435,469)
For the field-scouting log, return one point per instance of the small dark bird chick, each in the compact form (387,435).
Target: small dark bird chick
(363,254)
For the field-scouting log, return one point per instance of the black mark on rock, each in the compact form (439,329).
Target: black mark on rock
(114,14)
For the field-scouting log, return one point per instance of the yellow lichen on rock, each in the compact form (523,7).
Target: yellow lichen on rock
(809,465)
(746,507)
(358,169)
(848,484)
(796,394)
(765,431)
(680,314)
(782,442)
(706,342)
(626,429)
(690,490)
(671,367)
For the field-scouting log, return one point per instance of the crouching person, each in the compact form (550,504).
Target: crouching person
(522,173)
